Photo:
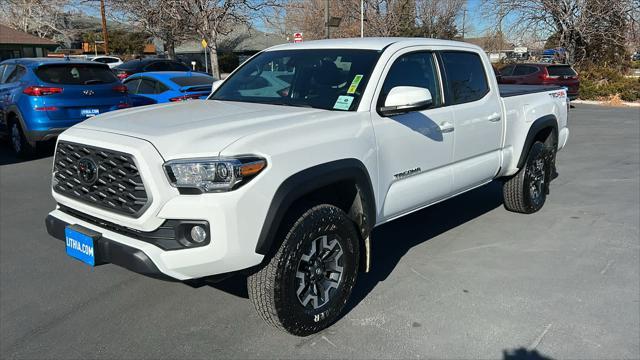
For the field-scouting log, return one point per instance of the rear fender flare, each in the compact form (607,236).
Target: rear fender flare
(545,122)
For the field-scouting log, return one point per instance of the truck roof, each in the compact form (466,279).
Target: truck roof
(369,43)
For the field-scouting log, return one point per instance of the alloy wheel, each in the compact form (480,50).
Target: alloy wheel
(319,272)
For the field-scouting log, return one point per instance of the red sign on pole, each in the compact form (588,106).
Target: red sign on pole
(297,38)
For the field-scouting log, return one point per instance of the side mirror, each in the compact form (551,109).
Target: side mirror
(216,84)
(404,99)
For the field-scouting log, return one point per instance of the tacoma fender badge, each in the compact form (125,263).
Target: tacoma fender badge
(407,173)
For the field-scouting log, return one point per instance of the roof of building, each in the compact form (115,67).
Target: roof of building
(12,36)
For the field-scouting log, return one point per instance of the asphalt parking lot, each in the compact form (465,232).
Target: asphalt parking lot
(462,279)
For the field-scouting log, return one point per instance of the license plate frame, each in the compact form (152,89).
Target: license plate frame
(82,244)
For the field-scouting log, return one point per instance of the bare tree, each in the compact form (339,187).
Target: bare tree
(576,22)
(162,19)
(438,17)
(212,19)
(42,18)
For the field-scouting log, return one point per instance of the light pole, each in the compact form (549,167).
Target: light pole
(361,18)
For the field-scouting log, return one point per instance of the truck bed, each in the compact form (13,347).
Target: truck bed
(507,90)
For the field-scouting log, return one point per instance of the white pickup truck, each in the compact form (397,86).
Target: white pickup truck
(290,163)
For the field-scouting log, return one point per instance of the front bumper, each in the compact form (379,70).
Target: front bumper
(112,252)
(235,218)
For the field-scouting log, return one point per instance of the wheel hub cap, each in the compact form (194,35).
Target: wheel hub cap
(319,272)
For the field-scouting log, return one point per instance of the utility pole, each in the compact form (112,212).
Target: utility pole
(326,19)
(105,36)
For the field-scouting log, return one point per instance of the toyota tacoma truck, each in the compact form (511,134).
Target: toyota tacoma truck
(285,169)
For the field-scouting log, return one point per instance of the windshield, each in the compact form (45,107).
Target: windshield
(331,79)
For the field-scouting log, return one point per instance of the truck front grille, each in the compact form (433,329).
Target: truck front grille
(103,178)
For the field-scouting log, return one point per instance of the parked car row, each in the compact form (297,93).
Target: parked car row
(41,97)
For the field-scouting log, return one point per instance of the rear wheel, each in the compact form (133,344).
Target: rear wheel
(19,143)
(526,192)
(305,285)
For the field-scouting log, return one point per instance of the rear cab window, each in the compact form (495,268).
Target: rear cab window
(76,74)
(466,80)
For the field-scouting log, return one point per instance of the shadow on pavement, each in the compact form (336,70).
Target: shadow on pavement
(523,354)
(391,241)
(7,157)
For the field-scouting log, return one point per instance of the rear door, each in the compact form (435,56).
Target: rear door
(478,117)
(87,90)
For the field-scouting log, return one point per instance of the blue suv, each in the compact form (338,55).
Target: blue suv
(40,98)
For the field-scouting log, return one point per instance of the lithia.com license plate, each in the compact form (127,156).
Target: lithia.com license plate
(80,243)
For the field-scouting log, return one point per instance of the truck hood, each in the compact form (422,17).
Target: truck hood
(197,128)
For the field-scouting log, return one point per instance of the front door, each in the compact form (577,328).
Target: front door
(414,149)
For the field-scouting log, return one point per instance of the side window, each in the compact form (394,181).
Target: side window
(2,71)
(132,86)
(101,60)
(160,87)
(16,75)
(147,86)
(8,70)
(532,70)
(466,79)
(414,69)
(507,70)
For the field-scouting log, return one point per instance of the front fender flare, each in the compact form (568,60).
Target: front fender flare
(304,182)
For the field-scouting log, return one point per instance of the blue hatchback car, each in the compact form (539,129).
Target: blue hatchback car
(40,98)
(165,86)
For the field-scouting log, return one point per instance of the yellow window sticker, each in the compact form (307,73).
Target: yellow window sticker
(343,102)
(354,84)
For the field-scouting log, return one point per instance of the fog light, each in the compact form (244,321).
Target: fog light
(198,234)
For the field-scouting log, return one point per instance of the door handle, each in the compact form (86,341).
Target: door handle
(446,127)
(495,117)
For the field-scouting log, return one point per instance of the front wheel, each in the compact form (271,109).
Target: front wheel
(305,285)
(526,192)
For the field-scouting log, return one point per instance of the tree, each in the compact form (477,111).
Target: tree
(120,41)
(160,18)
(212,19)
(438,18)
(582,26)
(42,18)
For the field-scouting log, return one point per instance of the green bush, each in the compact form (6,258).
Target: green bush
(598,83)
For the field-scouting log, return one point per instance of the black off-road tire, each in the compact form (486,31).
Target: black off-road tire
(18,141)
(518,194)
(273,290)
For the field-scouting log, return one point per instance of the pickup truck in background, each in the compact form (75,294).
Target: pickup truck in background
(283,172)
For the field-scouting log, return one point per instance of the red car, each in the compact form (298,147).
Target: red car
(542,74)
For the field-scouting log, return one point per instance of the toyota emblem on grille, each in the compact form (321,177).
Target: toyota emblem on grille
(87,171)
(88,92)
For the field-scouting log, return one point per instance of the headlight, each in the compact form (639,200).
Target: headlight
(213,175)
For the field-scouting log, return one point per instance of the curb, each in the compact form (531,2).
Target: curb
(606,103)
